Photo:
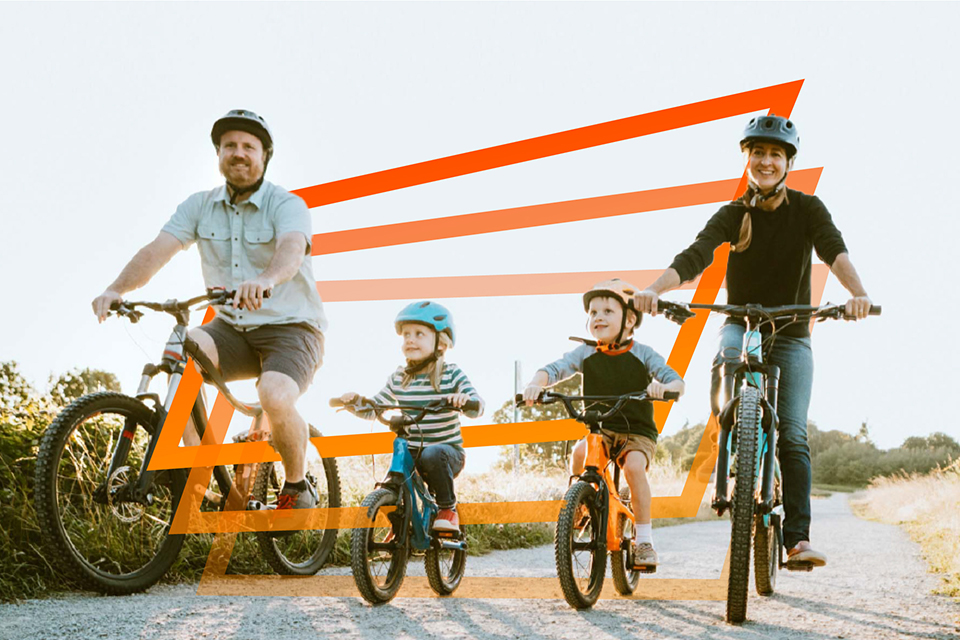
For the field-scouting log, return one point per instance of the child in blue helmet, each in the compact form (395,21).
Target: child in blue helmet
(428,331)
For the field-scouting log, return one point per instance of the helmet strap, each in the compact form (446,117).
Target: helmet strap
(754,198)
(236,192)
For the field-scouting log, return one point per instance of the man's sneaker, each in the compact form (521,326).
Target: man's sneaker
(803,556)
(645,557)
(447,520)
(293,499)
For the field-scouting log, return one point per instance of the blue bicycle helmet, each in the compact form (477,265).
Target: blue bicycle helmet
(428,313)
(772,129)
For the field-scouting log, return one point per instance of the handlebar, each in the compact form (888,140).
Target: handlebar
(681,312)
(173,306)
(755,311)
(404,420)
(595,417)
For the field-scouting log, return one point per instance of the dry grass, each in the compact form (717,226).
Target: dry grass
(928,507)
(357,479)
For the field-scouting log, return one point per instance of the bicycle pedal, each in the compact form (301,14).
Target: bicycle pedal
(645,568)
(798,566)
(447,535)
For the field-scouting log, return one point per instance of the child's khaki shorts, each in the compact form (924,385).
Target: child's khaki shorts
(643,444)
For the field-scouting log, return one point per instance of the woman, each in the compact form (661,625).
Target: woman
(773,231)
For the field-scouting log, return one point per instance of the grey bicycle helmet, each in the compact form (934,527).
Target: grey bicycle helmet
(243,120)
(772,129)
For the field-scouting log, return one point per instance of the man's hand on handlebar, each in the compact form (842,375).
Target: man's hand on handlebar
(250,294)
(103,302)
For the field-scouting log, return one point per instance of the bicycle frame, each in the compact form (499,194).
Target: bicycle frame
(609,501)
(403,477)
(174,362)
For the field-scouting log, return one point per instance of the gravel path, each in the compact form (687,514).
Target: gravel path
(875,586)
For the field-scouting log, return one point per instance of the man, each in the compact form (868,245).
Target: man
(253,237)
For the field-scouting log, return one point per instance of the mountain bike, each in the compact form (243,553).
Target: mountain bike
(595,518)
(747,445)
(105,517)
(401,512)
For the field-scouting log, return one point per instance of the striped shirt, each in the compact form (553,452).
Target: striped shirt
(438,428)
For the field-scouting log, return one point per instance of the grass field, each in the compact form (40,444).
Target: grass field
(928,507)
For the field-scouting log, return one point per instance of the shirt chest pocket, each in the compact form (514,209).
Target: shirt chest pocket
(259,245)
(214,241)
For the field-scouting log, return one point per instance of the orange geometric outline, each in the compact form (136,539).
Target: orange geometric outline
(778,99)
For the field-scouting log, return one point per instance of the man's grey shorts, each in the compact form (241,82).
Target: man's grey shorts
(295,350)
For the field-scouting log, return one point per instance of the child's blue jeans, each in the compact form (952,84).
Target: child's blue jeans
(439,464)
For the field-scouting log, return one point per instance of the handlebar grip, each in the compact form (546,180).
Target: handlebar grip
(671,395)
(115,305)
(471,405)
(874,310)
(337,402)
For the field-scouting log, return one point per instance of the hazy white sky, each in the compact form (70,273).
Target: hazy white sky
(107,111)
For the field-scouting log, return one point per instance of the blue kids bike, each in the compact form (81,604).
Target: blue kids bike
(401,512)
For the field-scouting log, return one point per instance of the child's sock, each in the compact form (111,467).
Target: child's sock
(643,533)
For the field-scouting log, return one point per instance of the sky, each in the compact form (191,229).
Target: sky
(108,109)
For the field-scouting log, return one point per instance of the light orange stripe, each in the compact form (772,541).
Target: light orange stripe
(498,588)
(539,215)
(478,286)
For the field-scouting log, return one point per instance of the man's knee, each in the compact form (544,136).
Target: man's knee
(278,392)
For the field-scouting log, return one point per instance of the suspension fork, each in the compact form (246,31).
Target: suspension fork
(725,419)
(770,424)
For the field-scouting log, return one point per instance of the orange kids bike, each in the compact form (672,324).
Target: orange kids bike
(594,518)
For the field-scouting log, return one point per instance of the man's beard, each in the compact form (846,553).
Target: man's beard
(241,178)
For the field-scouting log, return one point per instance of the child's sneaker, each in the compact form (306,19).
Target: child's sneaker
(645,557)
(447,520)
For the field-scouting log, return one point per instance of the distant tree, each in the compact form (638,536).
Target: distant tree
(73,384)
(940,440)
(538,454)
(681,447)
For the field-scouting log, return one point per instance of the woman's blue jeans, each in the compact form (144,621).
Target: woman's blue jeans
(794,356)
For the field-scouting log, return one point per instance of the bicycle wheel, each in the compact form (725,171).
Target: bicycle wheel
(301,553)
(579,548)
(91,529)
(741,513)
(625,577)
(378,562)
(766,552)
(445,569)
